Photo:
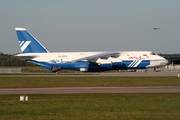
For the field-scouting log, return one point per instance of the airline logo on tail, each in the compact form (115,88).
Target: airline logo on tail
(24,44)
(28,43)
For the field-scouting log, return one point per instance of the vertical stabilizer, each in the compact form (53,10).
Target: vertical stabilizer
(28,43)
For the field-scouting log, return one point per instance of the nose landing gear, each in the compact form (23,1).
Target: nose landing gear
(156,70)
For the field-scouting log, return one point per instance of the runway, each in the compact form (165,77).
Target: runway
(141,73)
(128,74)
(75,90)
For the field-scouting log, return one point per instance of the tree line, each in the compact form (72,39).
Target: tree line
(8,60)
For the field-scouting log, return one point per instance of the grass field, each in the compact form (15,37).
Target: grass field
(157,106)
(138,106)
(88,81)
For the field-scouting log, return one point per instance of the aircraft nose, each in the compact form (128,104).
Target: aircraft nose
(164,62)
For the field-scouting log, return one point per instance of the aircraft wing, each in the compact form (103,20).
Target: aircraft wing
(94,58)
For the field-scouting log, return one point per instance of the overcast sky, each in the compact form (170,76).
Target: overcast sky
(92,25)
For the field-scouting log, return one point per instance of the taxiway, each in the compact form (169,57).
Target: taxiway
(71,90)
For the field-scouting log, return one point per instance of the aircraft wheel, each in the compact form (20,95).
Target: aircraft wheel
(145,70)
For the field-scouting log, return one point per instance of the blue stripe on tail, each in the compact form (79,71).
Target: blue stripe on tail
(28,43)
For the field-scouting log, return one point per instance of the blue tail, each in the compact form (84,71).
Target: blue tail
(28,43)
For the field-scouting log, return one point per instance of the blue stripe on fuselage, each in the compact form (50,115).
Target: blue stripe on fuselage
(129,64)
(136,64)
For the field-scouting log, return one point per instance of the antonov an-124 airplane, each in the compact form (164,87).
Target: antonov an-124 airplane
(33,51)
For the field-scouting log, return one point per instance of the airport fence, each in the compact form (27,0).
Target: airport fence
(168,68)
(172,68)
(10,70)
(165,68)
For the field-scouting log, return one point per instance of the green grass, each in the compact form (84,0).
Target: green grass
(122,106)
(156,106)
(25,82)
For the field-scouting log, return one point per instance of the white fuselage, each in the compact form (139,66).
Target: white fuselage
(132,59)
(33,51)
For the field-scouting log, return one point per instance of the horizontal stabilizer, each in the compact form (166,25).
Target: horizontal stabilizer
(44,65)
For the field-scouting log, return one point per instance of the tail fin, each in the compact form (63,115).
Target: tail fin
(28,43)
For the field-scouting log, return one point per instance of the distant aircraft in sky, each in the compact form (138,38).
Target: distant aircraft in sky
(33,51)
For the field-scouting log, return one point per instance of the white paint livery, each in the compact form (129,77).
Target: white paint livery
(139,61)
(109,59)
(24,45)
(20,29)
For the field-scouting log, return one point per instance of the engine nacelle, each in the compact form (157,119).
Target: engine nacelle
(83,69)
(106,64)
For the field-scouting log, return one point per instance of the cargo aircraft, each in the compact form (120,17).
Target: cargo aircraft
(33,51)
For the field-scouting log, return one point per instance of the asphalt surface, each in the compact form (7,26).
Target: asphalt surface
(164,73)
(141,73)
(71,90)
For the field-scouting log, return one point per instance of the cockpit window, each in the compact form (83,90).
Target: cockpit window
(152,53)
